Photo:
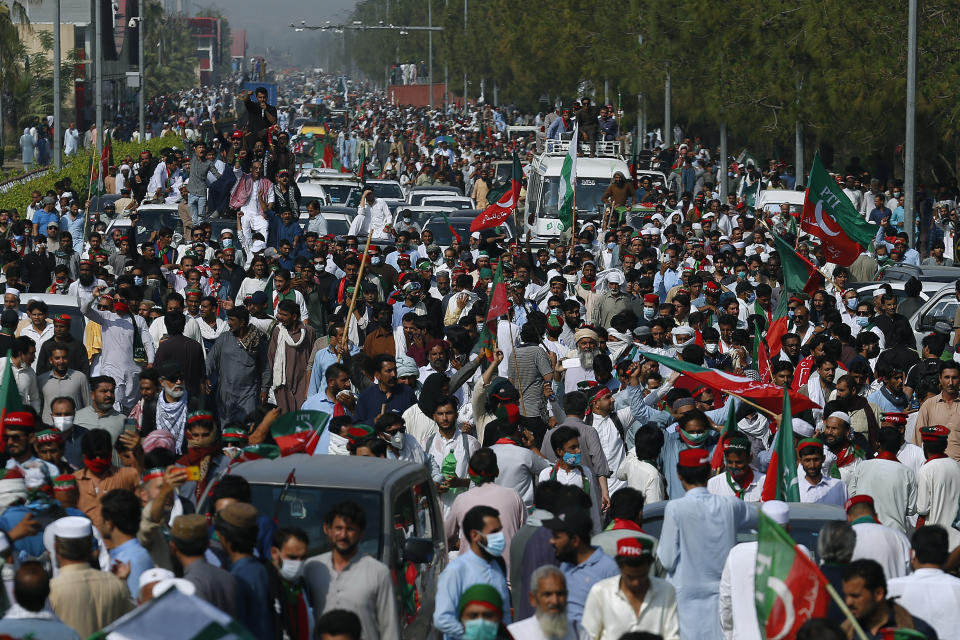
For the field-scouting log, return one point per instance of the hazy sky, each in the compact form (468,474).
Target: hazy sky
(268,21)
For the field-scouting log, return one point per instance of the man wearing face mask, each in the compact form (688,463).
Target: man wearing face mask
(62,412)
(287,556)
(98,475)
(477,564)
(61,381)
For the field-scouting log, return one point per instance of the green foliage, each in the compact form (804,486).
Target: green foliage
(837,67)
(78,170)
(170,67)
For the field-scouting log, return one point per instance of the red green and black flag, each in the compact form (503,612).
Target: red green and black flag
(781,481)
(299,431)
(789,587)
(829,215)
(258,452)
(9,396)
(503,200)
(798,275)
(729,431)
(499,305)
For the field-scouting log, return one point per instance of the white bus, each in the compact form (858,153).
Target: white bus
(594,174)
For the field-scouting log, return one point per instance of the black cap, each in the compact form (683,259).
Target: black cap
(170,370)
(570,520)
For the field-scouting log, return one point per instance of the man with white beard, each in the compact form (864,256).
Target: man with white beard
(548,595)
(578,365)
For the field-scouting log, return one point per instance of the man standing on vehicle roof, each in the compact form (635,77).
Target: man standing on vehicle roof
(373,216)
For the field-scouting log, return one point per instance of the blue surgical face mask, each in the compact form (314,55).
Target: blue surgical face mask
(752,298)
(862,321)
(480,629)
(227,242)
(741,275)
(648,312)
(611,245)
(572,459)
(496,544)
(138,280)
(790,313)
(852,303)
(375,260)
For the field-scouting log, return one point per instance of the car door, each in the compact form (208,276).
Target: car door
(941,308)
(416,521)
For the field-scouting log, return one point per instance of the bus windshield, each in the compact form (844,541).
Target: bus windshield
(589,193)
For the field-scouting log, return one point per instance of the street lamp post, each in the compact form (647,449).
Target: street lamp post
(141,92)
(98,37)
(910,149)
(430,47)
(57,141)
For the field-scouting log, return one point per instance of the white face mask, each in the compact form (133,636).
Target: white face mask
(291,569)
(712,348)
(338,445)
(63,423)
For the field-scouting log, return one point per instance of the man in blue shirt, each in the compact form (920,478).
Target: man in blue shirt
(337,377)
(386,396)
(480,564)
(236,527)
(45,216)
(326,357)
(583,565)
(285,227)
(120,510)
(73,223)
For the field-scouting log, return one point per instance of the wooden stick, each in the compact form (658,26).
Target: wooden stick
(356,290)
(857,629)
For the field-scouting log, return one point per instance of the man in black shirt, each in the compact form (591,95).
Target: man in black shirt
(260,117)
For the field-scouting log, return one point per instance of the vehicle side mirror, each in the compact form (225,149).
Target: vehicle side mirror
(927,322)
(418,550)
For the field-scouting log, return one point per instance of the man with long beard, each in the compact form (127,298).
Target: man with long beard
(548,595)
(587,342)
(240,359)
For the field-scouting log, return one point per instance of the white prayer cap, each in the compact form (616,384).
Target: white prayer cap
(185,587)
(841,415)
(802,428)
(739,245)
(154,575)
(12,291)
(776,510)
(72,527)
(683,331)
(257,246)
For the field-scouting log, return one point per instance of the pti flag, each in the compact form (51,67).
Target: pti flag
(298,431)
(781,481)
(567,191)
(729,431)
(788,587)
(502,199)
(798,275)
(499,305)
(767,396)
(9,395)
(258,452)
(829,215)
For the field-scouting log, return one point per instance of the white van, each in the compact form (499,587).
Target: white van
(594,174)
(770,200)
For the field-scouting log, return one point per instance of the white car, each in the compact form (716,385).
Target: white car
(771,199)
(389,190)
(150,218)
(449,201)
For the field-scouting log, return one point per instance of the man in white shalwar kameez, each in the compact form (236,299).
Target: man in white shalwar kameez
(698,532)
(891,484)
(117,356)
(888,547)
(938,483)
(929,593)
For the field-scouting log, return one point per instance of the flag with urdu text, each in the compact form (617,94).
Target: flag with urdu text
(829,215)
(566,195)
(789,587)
(298,431)
(258,452)
(499,305)
(768,396)
(503,200)
(798,275)
(781,481)
(9,395)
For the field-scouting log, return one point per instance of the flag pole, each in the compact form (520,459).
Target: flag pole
(857,629)
(356,290)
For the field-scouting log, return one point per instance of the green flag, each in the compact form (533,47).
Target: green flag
(781,482)
(9,395)
(788,587)
(258,452)
(829,215)
(499,305)
(751,193)
(567,190)
(299,431)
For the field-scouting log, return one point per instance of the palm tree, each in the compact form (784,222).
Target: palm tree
(12,55)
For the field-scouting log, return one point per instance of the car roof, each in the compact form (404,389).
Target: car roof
(157,207)
(779,196)
(798,510)
(58,299)
(603,167)
(335,210)
(435,187)
(339,472)
(933,273)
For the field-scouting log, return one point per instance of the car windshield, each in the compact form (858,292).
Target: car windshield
(417,199)
(339,193)
(589,193)
(54,310)
(305,507)
(150,220)
(386,190)
(337,226)
(452,204)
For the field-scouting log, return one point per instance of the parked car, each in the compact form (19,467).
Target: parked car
(404,525)
(903,272)
(151,218)
(940,308)
(416,195)
(56,304)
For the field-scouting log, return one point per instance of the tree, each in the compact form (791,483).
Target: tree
(168,50)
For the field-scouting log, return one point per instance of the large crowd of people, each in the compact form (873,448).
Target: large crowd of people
(545,428)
